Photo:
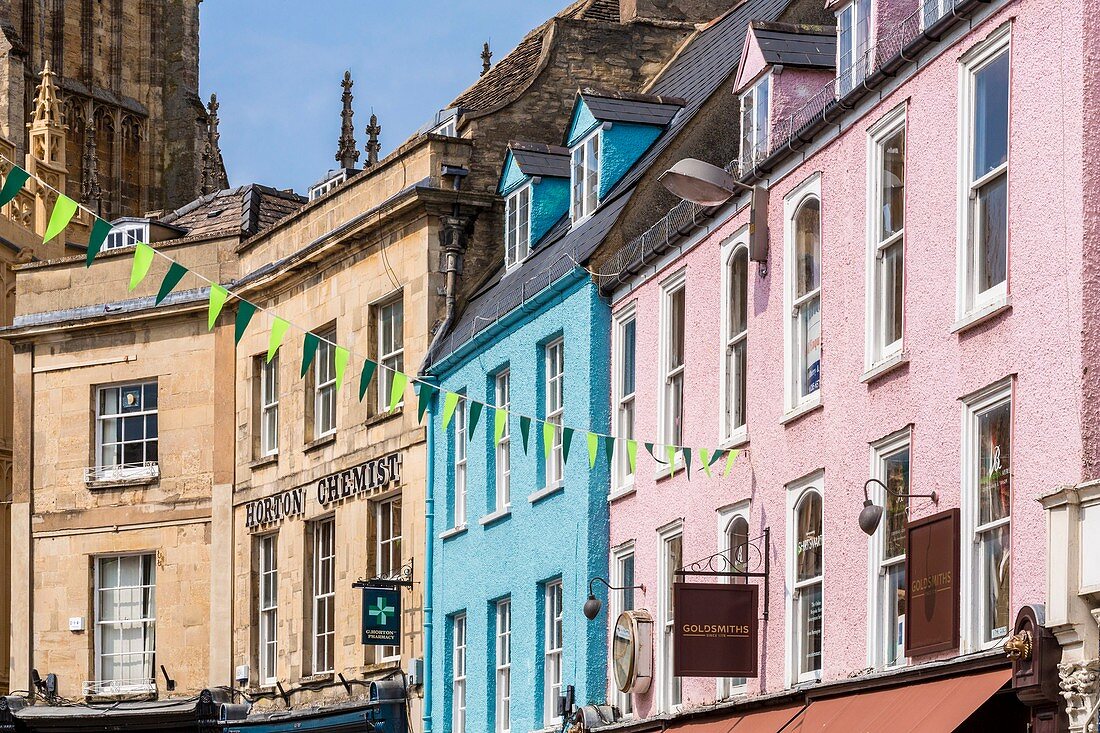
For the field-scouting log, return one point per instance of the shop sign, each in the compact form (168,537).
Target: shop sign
(381,616)
(366,477)
(932,572)
(717,631)
(271,509)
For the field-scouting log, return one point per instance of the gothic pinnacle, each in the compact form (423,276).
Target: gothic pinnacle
(346,152)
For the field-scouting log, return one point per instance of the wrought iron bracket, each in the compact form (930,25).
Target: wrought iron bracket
(401,579)
(720,565)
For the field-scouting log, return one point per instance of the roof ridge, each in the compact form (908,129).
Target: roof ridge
(605,93)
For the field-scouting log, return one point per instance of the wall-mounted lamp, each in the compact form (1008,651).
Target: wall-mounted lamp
(871,514)
(593,605)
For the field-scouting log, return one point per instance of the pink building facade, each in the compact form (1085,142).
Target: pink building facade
(922,318)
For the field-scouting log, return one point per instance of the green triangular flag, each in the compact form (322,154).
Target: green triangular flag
(500,422)
(704,458)
(632,454)
(278,331)
(62,214)
(245,311)
(524,431)
(423,398)
(450,402)
(608,449)
(729,462)
(670,455)
(365,377)
(566,438)
(687,461)
(143,259)
(13,184)
(593,448)
(547,439)
(171,280)
(397,389)
(100,230)
(340,360)
(473,416)
(309,350)
(218,296)
(649,447)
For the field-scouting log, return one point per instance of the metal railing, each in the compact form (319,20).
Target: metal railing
(119,688)
(122,472)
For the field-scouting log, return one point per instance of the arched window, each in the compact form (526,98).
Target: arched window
(808,578)
(737,542)
(737,330)
(806,311)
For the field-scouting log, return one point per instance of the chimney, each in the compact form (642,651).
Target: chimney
(675,11)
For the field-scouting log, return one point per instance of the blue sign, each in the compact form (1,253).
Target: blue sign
(381,616)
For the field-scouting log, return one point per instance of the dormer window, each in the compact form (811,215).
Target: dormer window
(585,176)
(126,235)
(448,128)
(754,123)
(853,27)
(517,226)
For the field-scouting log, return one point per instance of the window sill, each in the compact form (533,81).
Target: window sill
(380,417)
(498,516)
(986,313)
(546,493)
(621,493)
(122,482)
(811,405)
(319,443)
(453,532)
(264,461)
(386,665)
(885,366)
(739,438)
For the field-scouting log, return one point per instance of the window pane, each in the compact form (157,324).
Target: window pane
(760,124)
(995,559)
(739,292)
(809,538)
(739,545)
(807,240)
(893,605)
(628,336)
(676,329)
(523,237)
(893,184)
(735,394)
(897,478)
(592,182)
(809,601)
(992,233)
(626,572)
(747,120)
(891,268)
(994,455)
(991,116)
(809,326)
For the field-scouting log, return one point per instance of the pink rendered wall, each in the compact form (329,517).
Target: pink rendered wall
(1039,341)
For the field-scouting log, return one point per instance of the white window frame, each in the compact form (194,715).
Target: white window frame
(458,673)
(862,50)
(554,398)
(268,613)
(502,387)
(671,375)
(624,403)
(797,402)
(391,356)
(502,692)
(517,225)
(796,490)
(973,584)
(878,565)
(553,643)
(126,235)
(727,687)
(969,301)
(761,138)
(733,434)
(387,554)
(324,385)
(670,691)
(590,151)
(877,350)
(616,606)
(122,470)
(269,405)
(124,686)
(448,128)
(462,457)
(321,637)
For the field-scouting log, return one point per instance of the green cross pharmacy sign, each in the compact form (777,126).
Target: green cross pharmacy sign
(381,616)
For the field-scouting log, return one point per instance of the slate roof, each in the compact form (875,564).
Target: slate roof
(536,159)
(694,75)
(246,210)
(642,108)
(811,46)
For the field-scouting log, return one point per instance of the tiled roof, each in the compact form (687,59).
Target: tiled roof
(536,159)
(245,210)
(643,108)
(812,46)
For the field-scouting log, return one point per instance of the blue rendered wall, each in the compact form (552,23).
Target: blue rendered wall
(549,203)
(565,534)
(621,147)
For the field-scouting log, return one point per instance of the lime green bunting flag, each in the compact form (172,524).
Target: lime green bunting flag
(340,361)
(500,422)
(218,296)
(525,431)
(704,458)
(309,350)
(62,214)
(13,184)
(278,331)
(670,456)
(365,376)
(593,448)
(100,230)
(450,402)
(171,280)
(729,462)
(473,416)
(547,439)
(143,259)
(397,389)
(245,311)
(632,454)
(423,398)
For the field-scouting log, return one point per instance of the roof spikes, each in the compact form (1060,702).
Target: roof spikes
(346,152)
(373,146)
(214,177)
(47,103)
(486,59)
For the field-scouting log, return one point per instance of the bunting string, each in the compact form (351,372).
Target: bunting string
(555,435)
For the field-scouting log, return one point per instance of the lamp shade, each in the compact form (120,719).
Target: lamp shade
(592,607)
(699,182)
(869,517)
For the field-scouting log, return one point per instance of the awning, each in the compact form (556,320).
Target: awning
(765,721)
(926,707)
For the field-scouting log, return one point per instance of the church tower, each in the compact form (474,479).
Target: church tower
(126,75)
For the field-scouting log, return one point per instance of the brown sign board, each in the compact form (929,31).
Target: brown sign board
(932,590)
(717,630)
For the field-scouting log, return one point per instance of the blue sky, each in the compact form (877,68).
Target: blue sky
(276,67)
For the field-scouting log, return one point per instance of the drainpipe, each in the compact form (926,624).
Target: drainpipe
(429,565)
